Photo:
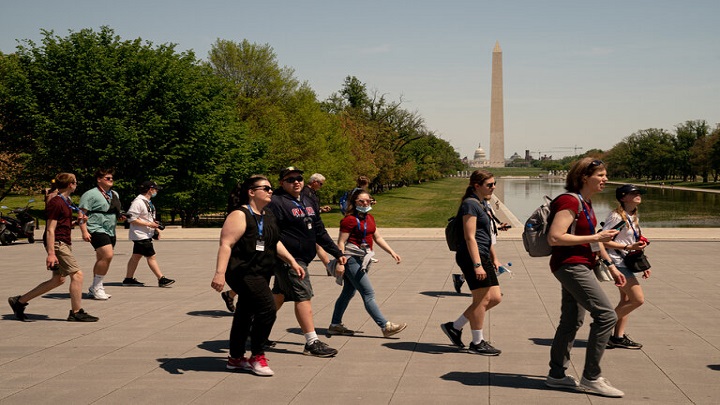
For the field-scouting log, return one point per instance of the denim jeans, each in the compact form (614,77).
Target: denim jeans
(357,280)
(581,292)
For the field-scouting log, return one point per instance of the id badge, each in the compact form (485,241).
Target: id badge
(260,245)
(309,225)
(595,246)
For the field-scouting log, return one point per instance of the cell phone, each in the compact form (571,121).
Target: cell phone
(620,225)
(504,227)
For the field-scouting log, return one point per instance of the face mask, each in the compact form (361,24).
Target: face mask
(153,194)
(363,210)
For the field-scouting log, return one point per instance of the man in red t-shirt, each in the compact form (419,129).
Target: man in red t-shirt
(60,259)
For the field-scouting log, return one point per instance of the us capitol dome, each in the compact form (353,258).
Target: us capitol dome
(480,158)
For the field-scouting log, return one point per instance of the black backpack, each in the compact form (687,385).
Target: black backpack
(454,232)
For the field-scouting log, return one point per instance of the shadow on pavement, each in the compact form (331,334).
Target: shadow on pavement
(211,313)
(548,342)
(510,380)
(181,365)
(438,294)
(429,348)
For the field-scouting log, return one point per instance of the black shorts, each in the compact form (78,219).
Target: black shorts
(100,239)
(468,270)
(143,247)
(290,285)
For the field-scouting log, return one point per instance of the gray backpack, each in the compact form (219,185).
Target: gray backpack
(536,228)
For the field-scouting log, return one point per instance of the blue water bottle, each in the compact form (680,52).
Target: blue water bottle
(504,269)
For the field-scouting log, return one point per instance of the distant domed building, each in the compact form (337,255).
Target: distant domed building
(480,158)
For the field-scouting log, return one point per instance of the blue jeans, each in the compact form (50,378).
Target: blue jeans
(357,280)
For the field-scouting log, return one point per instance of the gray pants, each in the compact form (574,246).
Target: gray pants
(581,292)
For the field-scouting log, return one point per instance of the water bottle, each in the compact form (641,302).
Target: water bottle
(504,269)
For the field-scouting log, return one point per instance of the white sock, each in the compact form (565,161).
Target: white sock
(477,336)
(97,281)
(460,322)
(311,337)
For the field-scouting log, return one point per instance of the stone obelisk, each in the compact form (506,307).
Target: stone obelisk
(497,126)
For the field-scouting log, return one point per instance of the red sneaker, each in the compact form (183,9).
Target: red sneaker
(259,366)
(240,363)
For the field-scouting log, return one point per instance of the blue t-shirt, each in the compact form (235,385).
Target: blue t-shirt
(483,231)
(98,221)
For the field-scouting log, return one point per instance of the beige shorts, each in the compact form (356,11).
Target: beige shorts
(66,260)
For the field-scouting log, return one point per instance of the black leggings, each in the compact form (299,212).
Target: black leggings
(254,314)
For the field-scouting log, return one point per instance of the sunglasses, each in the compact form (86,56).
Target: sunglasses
(266,189)
(491,185)
(595,163)
(108,178)
(299,179)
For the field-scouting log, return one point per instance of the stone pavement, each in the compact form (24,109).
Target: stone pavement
(156,345)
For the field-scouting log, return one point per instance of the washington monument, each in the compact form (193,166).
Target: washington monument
(497,128)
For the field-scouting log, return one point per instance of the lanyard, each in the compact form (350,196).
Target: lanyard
(637,235)
(587,215)
(491,216)
(301,207)
(152,208)
(70,205)
(259,223)
(364,231)
(108,195)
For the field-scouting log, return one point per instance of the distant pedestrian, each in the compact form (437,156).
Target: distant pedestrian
(479,262)
(60,259)
(574,255)
(249,244)
(629,241)
(144,227)
(358,231)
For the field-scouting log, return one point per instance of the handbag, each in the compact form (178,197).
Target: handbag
(602,272)
(636,262)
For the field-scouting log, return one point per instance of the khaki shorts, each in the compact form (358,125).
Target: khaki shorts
(67,263)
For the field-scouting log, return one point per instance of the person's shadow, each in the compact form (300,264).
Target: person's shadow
(509,380)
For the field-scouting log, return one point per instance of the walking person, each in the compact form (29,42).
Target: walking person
(249,243)
(479,262)
(358,232)
(60,259)
(143,228)
(300,229)
(102,206)
(574,255)
(628,241)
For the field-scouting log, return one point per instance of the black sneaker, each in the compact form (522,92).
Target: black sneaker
(132,282)
(623,342)
(454,334)
(165,282)
(458,282)
(269,343)
(18,308)
(484,348)
(319,349)
(229,303)
(81,316)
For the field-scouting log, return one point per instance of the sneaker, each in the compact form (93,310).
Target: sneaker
(568,381)
(319,349)
(258,365)
(229,303)
(484,348)
(393,328)
(98,293)
(623,342)
(81,316)
(374,260)
(240,363)
(132,282)
(339,329)
(165,282)
(458,282)
(18,308)
(454,334)
(601,386)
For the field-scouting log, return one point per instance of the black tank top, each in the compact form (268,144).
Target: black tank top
(244,258)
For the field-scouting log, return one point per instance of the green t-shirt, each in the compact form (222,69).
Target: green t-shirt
(95,200)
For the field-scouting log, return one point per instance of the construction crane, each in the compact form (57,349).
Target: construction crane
(559,149)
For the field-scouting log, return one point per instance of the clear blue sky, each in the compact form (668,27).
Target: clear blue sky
(576,73)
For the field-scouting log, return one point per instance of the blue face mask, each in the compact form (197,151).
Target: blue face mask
(363,210)
(154,193)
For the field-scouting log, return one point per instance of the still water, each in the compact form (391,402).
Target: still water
(661,208)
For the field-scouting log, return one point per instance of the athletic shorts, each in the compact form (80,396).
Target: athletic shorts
(468,270)
(100,239)
(143,247)
(66,261)
(289,284)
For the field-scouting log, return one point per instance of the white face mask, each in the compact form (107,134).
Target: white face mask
(363,210)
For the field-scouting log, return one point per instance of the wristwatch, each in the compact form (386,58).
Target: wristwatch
(607,262)
(477,265)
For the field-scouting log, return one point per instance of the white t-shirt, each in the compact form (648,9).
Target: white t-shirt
(141,208)
(625,237)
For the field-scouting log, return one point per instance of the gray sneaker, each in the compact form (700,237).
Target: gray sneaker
(601,386)
(567,382)
(339,329)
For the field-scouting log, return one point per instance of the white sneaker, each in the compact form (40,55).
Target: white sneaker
(98,293)
(601,386)
(258,366)
(568,381)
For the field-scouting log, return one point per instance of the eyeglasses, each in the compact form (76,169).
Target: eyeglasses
(363,201)
(320,183)
(108,178)
(266,189)
(299,179)
(73,182)
(491,185)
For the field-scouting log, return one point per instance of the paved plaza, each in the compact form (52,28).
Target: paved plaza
(168,346)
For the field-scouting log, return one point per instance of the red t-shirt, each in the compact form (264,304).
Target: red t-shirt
(58,210)
(359,229)
(578,254)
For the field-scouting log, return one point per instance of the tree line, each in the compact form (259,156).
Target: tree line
(91,99)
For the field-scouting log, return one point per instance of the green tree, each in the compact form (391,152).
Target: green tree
(686,135)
